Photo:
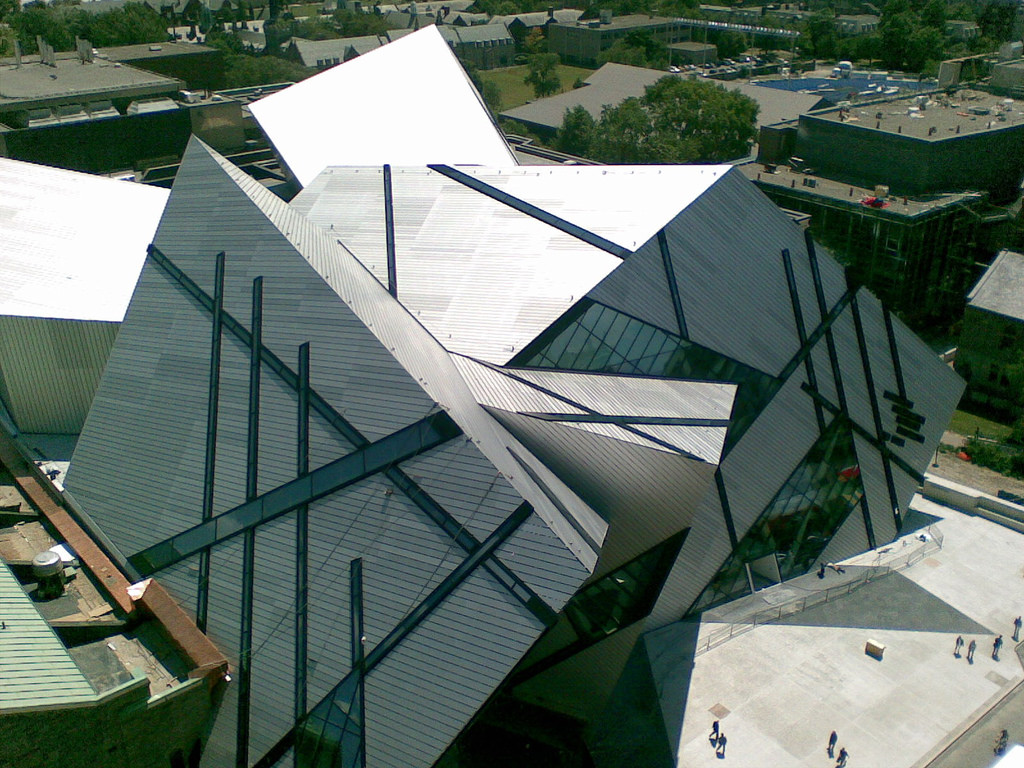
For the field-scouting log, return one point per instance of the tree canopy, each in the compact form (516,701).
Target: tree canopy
(639,49)
(542,74)
(59,24)
(677,120)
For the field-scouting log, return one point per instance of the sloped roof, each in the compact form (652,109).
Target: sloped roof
(1001,288)
(37,669)
(381,373)
(614,83)
(407,103)
(482,276)
(72,243)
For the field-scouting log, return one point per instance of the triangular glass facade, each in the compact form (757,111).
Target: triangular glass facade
(794,529)
(595,337)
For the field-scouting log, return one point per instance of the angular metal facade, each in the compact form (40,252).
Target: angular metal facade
(535,419)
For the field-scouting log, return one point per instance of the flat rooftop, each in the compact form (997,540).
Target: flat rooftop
(778,689)
(849,194)
(933,118)
(620,22)
(154,51)
(34,84)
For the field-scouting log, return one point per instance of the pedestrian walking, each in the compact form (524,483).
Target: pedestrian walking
(843,756)
(832,739)
(996,645)
(1001,741)
(957,646)
(721,745)
(970,651)
(713,738)
(1016,629)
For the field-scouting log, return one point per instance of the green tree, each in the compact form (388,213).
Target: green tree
(623,134)
(357,24)
(57,25)
(730,44)
(535,42)
(675,121)
(242,70)
(639,49)
(711,122)
(925,45)
(487,88)
(577,132)
(821,34)
(133,23)
(314,28)
(542,74)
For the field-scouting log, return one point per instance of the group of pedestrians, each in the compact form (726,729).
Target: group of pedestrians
(831,750)
(718,740)
(997,644)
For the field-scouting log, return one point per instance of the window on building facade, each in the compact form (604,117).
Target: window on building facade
(599,338)
(796,526)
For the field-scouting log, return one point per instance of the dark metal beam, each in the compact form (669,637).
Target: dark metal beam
(673,287)
(801,332)
(249,538)
(358,640)
(389,233)
(569,401)
(533,211)
(395,474)
(881,447)
(212,408)
(302,540)
(894,352)
(723,497)
(625,421)
(417,438)
(876,415)
(837,375)
(412,620)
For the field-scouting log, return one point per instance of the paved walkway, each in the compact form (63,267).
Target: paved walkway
(779,689)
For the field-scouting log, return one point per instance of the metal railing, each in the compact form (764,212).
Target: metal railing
(900,556)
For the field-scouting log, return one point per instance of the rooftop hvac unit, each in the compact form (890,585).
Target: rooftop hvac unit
(48,571)
(882,190)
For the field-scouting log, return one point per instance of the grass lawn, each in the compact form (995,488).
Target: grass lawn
(514,92)
(967,424)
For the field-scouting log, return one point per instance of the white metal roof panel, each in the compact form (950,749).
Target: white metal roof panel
(406,103)
(35,667)
(71,244)
(482,277)
(1001,288)
(626,204)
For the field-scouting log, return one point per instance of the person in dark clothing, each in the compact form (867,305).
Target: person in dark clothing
(832,739)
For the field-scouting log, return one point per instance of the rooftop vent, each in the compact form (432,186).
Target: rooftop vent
(48,571)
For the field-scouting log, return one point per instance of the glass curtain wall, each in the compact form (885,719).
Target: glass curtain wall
(794,529)
(598,338)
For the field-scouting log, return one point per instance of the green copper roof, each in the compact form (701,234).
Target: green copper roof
(35,668)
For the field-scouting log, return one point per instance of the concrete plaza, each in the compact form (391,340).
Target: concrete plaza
(779,689)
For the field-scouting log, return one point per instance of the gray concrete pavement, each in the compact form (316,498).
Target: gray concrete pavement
(779,689)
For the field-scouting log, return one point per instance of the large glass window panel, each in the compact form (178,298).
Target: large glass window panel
(595,337)
(798,523)
(624,595)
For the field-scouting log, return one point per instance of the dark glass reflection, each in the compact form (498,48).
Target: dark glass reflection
(794,529)
(624,595)
(331,735)
(599,338)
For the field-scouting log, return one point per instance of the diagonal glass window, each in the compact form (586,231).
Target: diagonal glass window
(624,595)
(794,529)
(331,735)
(597,338)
